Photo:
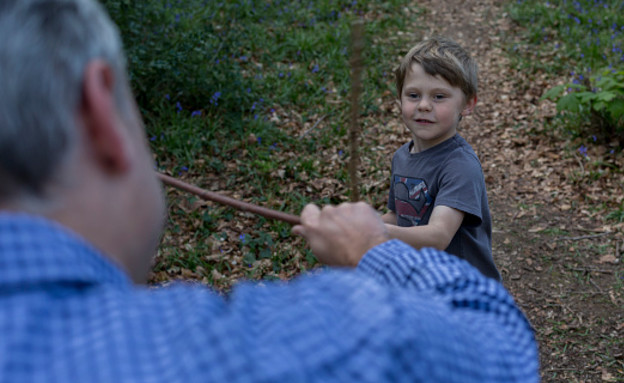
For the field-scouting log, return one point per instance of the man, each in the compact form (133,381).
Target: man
(81,213)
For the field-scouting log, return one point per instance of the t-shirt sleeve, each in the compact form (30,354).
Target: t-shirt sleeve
(461,186)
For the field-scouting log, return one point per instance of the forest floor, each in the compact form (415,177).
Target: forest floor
(559,257)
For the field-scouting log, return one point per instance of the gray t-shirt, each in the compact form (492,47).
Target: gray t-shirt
(448,174)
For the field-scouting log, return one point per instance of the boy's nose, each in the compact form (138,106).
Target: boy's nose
(424,105)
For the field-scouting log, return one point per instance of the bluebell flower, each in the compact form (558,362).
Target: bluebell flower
(167,97)
(259,140)
(215,98)
(153,138)
(243,58)
(594,138)
(178,106)
(315,69)
(242,238)
(583,150)
(196,113)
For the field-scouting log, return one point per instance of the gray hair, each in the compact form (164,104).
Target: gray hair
(45,47)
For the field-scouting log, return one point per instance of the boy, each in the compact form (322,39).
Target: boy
(437,190)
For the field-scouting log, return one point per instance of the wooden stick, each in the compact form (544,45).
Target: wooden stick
(357,45)
(240,205)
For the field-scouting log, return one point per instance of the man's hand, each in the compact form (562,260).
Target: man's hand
(341,235)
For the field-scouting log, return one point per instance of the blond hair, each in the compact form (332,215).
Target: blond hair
(440,56)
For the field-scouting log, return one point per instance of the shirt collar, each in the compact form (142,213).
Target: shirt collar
(35,250)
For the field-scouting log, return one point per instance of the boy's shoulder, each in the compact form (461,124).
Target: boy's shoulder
(455,147)
(460,147)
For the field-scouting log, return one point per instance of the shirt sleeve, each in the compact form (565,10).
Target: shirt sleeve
(461,186)
(403,316)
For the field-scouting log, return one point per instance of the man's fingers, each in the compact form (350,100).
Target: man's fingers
(310,215)
(298,230)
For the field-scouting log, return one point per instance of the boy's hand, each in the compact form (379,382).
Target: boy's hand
(341,235)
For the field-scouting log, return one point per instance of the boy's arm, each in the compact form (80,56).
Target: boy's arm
(438,233)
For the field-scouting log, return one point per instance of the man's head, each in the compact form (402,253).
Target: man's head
(72,145)
(441,57)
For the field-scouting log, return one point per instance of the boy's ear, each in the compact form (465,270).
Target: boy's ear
(469,107)
(100,119)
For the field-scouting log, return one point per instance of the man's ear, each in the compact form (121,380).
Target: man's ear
(100,118)
(469,107)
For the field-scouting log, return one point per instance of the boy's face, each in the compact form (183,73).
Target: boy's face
(431,107)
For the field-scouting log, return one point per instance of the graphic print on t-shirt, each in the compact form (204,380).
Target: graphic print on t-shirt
(411,198)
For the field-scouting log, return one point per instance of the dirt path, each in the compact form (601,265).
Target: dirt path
(557,258)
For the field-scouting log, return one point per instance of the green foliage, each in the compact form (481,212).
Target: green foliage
(605,100)
(583,38)
(617,215)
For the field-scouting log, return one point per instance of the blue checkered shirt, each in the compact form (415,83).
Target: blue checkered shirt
(68,314)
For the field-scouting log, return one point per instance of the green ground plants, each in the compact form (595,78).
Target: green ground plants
(583,38)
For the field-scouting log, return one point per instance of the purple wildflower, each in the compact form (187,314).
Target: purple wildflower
(583,150)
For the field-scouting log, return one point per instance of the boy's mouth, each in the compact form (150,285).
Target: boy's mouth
(423,121)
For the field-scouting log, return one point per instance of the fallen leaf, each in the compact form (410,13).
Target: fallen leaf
(607,376)
(609,258)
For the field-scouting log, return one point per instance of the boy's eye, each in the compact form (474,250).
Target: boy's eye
(412,95)
(439,96)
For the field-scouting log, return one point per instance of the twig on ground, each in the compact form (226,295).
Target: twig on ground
(591,270)
(583,237)
(595,285)
(313,126)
